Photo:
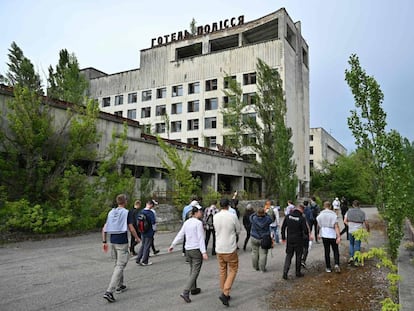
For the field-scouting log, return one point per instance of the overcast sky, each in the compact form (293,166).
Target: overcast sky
(108,35)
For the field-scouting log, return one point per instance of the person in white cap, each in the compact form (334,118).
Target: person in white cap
(336,204)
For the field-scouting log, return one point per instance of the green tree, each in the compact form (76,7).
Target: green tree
(262,125)
(393,177)
(66,82)
(183,184)
(21,71)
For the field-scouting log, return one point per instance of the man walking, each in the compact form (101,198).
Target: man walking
(297,229)
(227,228)
(195,248)
(331,237)
(147,236)
(355,218)
(117,224)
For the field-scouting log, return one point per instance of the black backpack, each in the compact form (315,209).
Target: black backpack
(209,221)
(143,223)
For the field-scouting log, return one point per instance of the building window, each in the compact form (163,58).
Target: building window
(227,121)
(249,117)
(210,142)
(106,102)
(175,126)
(194,88)
(177,108)
(193,106)
(311,150)
(132,114)
(311,164)
(291,37)
(249,98)
(249,78)
(211,104)
(118,113)
(132,98)
(227,81)
(119,100)
(311,137)
(249,157)
(193,141)
(162,92)
(146,95)
(210,123)
(146,112)
(192,125)
(249,139)
(177,90)
(211,85)
(160,128)
(160,110)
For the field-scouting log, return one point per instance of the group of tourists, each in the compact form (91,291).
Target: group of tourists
(222,226)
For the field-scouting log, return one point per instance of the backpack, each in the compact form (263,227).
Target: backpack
(266,242)
(143,223)
(209,221)
(315,210)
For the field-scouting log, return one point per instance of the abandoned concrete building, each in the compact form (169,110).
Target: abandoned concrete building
(181,81)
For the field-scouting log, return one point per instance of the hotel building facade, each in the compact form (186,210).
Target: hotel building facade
(178,91)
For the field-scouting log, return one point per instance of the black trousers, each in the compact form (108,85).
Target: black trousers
(327,245)
(291,249)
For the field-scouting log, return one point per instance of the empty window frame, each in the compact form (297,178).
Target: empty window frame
(249,139)
(210,123)
(249,78)
(193,106)
(160,128)
(177,90)
(189,51)
(132,114)
(146,112)
(193,141)
(106,102)
(249,98)
(211,142)
(175,126)
(311,137)
(192,125)
(146,95)
(118,113)
(311,164)
(227,81)
(160,110)
(211,104)
(132,98)
(162,92)
(211,85)
(194,88)
(311,150)
(290,37)
(305,58)
(249,157)
(177,108)
(119,100)
(224,43)
(249,117)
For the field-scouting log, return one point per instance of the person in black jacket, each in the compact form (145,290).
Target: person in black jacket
(297,229)
(247,224)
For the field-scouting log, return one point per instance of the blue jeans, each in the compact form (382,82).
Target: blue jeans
(121,254)
(275,232)
(354,245)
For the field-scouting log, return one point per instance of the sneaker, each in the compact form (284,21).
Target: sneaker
(186,297)
(350,261)
(121,289)
(337,269)
(196,291)
(303,264)
(328,270)
(149,263)
(224,299)
(108,296)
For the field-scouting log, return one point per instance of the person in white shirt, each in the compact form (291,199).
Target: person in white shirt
(195,248)
(227,228)
(331,237)
(336,204)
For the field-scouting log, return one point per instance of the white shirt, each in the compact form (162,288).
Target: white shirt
(193,231)
(336,204)
(227,228)
(326,221)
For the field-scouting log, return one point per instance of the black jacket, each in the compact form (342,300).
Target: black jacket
(296,227)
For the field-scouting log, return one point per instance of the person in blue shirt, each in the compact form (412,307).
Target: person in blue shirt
(147,237)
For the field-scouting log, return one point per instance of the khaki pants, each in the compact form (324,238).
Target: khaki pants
(228,265)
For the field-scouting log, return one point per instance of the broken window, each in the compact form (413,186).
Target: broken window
(106,102)
(162,92)
(211,85)
(160,128)
(175,126)
(189,51)
(224,43)
(192,125)
(193,141)
(146,95)
(146,112)
(291,37)
(160,110)
(177,90)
